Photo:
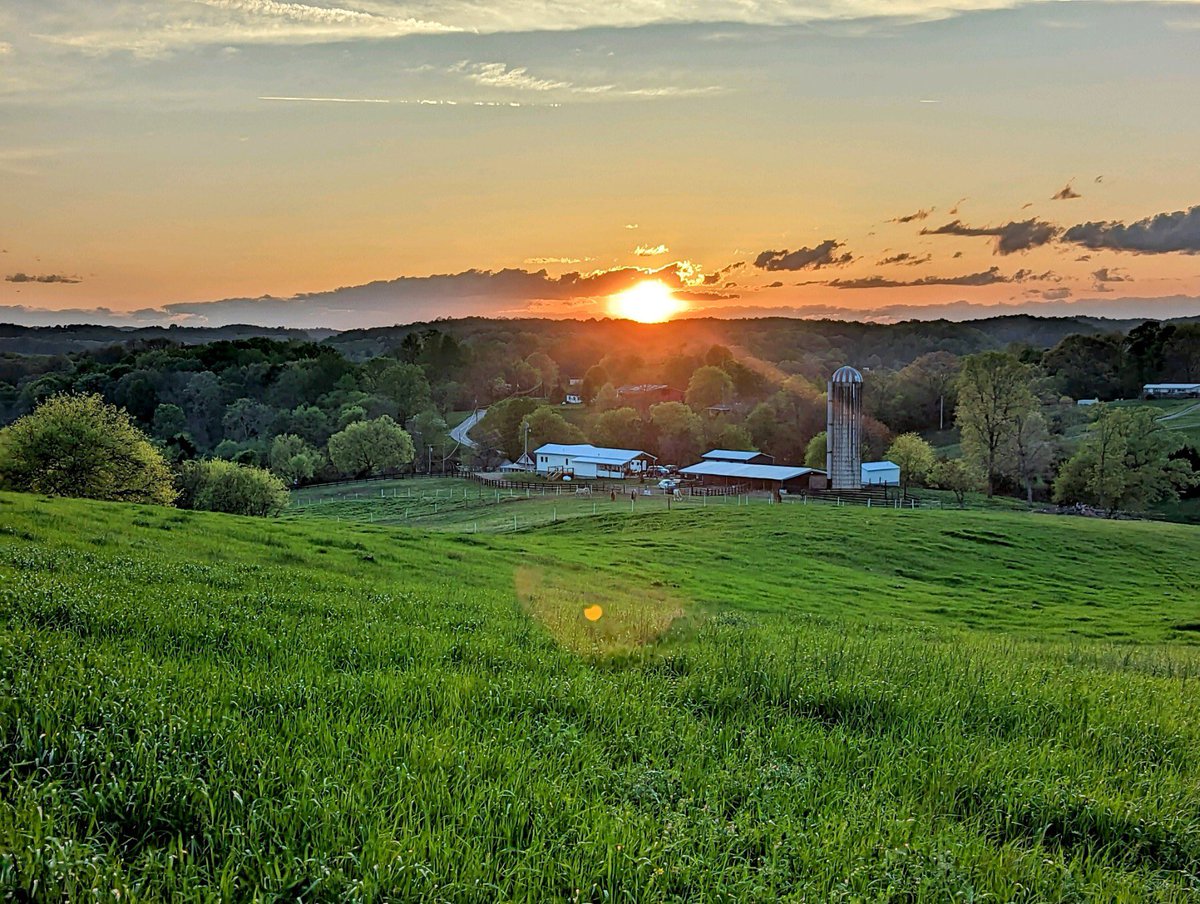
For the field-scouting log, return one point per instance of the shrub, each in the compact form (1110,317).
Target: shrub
(79,445)
(225,486)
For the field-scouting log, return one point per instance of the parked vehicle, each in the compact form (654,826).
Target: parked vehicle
(668,484)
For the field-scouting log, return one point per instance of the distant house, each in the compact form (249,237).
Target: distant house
(1086,402)
(1171,391)
(880,473)
(756,476)
(573,399)
(524,463)
(643,395)
(586,461)
(740,456)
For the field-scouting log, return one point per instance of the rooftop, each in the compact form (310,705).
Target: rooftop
(731,454)
(589,452)
(748,472)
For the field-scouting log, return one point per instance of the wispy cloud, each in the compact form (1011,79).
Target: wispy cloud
(1010,237)
(650,250)
(1066,193)
(518,78)
(331,100)
(41,278)
(988,277)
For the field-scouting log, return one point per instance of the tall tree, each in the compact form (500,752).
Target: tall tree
(367,448)
(1028,452)
(293,459)
(406,386)
(993,393)
(680,431)
(914,456)
(548,426)
(708,386)
(1124,462)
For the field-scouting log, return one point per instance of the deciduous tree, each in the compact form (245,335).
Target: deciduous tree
(80,446)
(366,448)
(993,393)
(914,456)
(1124,462)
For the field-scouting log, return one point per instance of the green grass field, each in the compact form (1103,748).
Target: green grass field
(745,703)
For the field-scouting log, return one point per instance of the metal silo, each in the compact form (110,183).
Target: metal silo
(843,432)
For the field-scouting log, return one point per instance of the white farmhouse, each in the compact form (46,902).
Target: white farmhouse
(583,460)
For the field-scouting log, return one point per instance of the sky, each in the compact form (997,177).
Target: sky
(358,163)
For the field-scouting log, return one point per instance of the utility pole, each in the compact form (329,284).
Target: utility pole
(526,429)
(429,466)
(941,412)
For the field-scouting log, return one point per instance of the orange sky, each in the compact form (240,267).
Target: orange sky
(152,160)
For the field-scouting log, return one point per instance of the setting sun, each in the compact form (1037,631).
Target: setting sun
(647,302)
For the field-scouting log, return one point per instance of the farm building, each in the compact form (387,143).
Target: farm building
(1171,390)
(643,395)
(756,477)
(739,456)
(880,473)
(524,463)
(586,461)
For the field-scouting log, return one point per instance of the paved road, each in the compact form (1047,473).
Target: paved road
(459,433)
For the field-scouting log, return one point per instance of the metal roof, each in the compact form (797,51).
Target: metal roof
(580,450)
(879,465)
(602,460)
(846,374)
(731,454)
(749,472)
(1171,386)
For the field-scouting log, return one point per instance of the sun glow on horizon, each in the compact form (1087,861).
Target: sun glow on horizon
(648,302)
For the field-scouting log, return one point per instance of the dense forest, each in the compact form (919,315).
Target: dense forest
(275,398)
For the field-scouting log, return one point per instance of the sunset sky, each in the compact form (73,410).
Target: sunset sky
(368,162)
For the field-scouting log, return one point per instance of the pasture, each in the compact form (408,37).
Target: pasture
(750,703)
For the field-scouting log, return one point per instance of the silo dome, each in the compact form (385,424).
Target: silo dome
(847,374)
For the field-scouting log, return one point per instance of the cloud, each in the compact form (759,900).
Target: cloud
(921,214)
(1011,237)
(905,258)
(650,250)
(541,261)
(45,278)
(1162,308)
(631,225)
(774,285)
(953,211)
(1055,294)
(823,255)
(988,277)
(150,28)
(409,299)
(498,75)
(1066,193)
(1110,274)
(1159,234)
(330,100)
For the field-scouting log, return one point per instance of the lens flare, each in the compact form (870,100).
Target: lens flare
(593,613)
(647,302)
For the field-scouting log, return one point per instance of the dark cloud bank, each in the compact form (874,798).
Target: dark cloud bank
(823,255)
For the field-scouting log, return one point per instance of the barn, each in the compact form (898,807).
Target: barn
(586,461)
(739,456)
(1171,390)
(880,473)
(785,478)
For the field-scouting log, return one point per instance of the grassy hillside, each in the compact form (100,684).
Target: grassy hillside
(764,703)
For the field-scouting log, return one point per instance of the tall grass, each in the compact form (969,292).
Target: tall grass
(196,706)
